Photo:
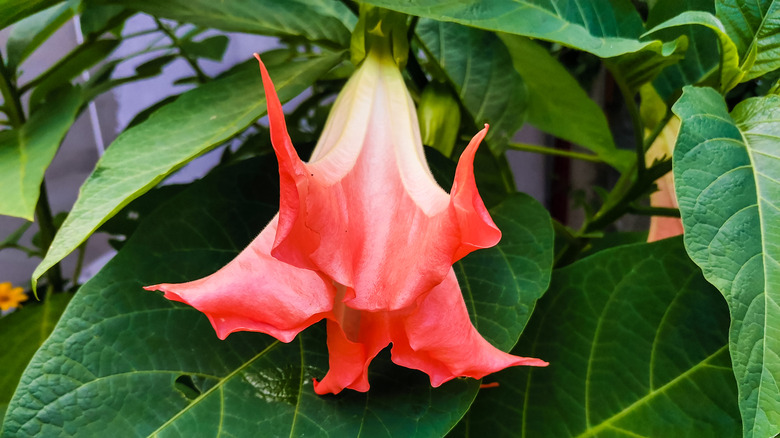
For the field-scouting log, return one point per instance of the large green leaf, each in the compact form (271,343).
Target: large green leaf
(31,32)
(315,20)
(727,174)
(479,67)
(755,28)
(501,284)
(607,28)
(12,11)
(196,122)
(129,361)
(554,95)
(637,344)
(731,72)
(23,332)
(702,57)
(25,153)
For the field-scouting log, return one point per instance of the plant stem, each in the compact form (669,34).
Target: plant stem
(11,101)
(636,121)
(650,139)
(140,33)
(55,68)
(607,216)
(638,188)
(47,231)
(202,77)
(551,151)
(654,211)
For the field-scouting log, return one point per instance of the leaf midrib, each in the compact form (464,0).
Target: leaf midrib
(762,222)
(627,410)
(219,386)
(754,40)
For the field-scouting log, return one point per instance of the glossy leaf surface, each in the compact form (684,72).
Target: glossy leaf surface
(130,361)
(196,122)
(727,177)
(637,344)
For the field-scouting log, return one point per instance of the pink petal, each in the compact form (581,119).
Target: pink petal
(256,292)
(441,341)
(476,225)
(354,338)
(367,213)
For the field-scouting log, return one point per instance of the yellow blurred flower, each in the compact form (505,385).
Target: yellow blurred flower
(10,296)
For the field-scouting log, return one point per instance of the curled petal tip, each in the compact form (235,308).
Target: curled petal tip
(152,288)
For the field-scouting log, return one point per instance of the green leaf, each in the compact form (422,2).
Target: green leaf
(68,68)
(31,32)
(731,73)
(212,47)
(26,153)
(637,344)
(478,66)
(23,332)
(635,69)
(116,338)
(702,57)
(196,122)
(605,29)
(554,95)
(314,20)
(96,19)
(755,28)
(501,284)
(12,11)
(727,173)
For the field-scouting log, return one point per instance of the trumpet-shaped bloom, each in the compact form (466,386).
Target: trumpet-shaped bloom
(364,238)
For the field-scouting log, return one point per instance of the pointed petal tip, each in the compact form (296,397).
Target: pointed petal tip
(531,362)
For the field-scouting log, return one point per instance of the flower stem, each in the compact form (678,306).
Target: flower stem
(552,151)
(654,211)
(613,212)
(12,105)
(636,122)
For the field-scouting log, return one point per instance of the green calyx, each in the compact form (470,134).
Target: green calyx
(381,28)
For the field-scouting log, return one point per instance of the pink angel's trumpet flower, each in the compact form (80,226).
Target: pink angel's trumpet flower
(364,238)
(662,227)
